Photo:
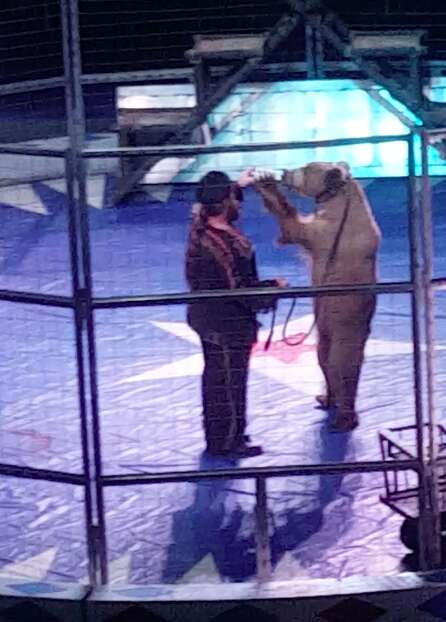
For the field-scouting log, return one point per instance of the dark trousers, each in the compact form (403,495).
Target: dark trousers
(224,388)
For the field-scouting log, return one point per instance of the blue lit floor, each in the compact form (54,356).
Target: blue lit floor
(149,366)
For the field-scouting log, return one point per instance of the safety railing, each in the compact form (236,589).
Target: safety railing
(85,305)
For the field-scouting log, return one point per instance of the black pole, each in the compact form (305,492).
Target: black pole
(416,308)
(82,293)
(82,391)
(434,531)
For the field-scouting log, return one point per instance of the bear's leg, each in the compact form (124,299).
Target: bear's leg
(323,351)
(345,362)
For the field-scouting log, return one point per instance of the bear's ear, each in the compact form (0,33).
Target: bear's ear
(333,178)
(344,166)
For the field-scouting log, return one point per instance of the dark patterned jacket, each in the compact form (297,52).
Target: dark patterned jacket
(223,259)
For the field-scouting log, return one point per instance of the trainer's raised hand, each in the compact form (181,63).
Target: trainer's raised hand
(246,178)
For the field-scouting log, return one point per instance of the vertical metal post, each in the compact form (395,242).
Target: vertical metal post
(82,390)
(416,304)
(309,48)
(82,292)
(319,47)
(202,81)
(429,324)
(262,536)
(417,299)
(415,81)
(314,42)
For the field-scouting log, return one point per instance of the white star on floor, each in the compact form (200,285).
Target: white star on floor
(33,568)
(26,197)
(282,363)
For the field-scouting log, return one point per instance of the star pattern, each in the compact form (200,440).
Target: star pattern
(281,362)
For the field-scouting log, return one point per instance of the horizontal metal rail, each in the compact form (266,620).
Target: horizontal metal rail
(185,74)
(438,130)
(34,298)
(32,151)
(66,302)
(439,282)
(190,150)
(150,76)
(195,150)
(44,475)
(26,86)
(241,294)
(299,470)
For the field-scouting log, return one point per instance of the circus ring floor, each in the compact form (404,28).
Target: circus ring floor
(149,365)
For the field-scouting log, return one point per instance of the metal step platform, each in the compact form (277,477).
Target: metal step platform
(401,489)
(248,53)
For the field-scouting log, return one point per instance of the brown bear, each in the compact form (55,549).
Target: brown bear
(342,239)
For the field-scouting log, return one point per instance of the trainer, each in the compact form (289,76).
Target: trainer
(219,256)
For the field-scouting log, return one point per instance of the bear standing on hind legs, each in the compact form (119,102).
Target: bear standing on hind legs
(342,240)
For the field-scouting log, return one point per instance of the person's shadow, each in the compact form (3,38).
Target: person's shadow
(217,525)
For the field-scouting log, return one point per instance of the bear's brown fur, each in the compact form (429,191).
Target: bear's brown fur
(342,240)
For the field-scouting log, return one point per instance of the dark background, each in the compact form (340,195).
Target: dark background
(154,34)
(138,35)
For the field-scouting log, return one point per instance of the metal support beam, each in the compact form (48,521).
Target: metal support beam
(41,475)
(309,49)
(314,45)
(82,294)
(433,68)
(432,484)
(156,300)
(283,28)
(429,536)
(319,47)
(338,35)
(416,304)
(294,470)
(201,80)
(194,150)
(385,103)
(415,80)
(263,545)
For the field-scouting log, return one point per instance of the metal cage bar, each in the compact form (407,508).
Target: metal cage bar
(429,534)
(434,67)
(67,302)
(82,294)
(34,298)
(433,446)
(84,305)
(32,151)
(332,468)
(79,342)
(44,475)
(416,306)
(263,544)
(288,292)
(195,150)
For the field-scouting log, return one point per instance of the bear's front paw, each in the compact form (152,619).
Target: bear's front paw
(263,176)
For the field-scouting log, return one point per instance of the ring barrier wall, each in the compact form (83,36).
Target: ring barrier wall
(84,306)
